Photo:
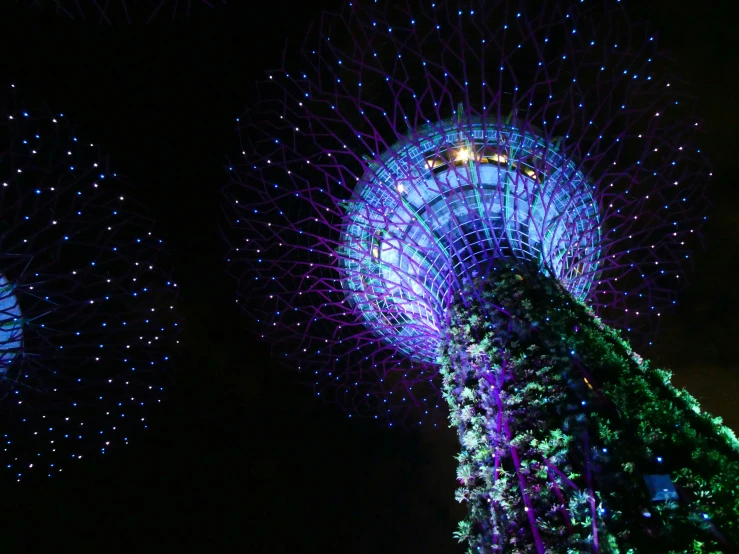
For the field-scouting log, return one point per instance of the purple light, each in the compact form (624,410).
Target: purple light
(378,219)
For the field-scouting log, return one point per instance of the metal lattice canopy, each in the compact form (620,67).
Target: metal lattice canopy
(439,207)
(409,146)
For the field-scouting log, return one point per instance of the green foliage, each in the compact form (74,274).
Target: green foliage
(463,532)
(517,393)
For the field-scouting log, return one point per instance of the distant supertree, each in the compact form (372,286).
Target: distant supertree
(449,199)
(87,324)
(126,11)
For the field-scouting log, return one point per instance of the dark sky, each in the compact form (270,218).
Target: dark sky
(241,457)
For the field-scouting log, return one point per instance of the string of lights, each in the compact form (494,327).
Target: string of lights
(87,315)
(412,143)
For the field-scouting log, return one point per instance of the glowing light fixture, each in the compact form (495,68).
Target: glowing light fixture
(463,155)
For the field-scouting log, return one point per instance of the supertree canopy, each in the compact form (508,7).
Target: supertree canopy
(87,321)
(122,11)
(456,200)
(440,227)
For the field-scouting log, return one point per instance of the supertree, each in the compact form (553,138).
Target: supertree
(451,200)
(127,11)
(87,320)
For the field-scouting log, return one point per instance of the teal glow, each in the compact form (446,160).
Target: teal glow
(11,326)
(438,206)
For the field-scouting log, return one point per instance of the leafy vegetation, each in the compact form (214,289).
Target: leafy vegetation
(560,421)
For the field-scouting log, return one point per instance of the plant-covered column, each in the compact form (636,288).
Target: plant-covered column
(560,422)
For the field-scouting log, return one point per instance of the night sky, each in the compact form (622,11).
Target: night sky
(241,457)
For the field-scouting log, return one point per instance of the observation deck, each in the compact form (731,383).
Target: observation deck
(441,205)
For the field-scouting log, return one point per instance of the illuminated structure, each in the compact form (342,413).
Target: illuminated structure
(126,11)
(11,329)
(87,322)
(445,200)
(440,206)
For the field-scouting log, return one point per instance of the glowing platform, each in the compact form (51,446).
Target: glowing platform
(439,205)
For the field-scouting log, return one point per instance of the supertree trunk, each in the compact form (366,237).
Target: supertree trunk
(560,423)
